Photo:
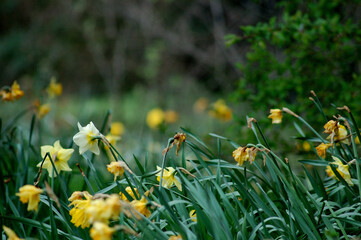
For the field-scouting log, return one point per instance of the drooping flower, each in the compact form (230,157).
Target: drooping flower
(31,195)
(169,178)
(10,233)
(130,192)
(276,116)
(330,126)
(193,215)
(342,169)
(200,105)
(59,155)
(12,93)
(117,128)
(322,149)
(178,139)
(86,138)
(338,132)
(77,213)
(54,88)
(138,207)
(221,111)
(155,117)
(171,116)
(101,231)
(116,168)
(243,154)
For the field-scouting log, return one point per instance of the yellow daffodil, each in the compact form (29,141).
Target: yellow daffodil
(13,93)
(138,206)
(193,215)
(342,169)
(101,231)
(221,111)
(200,105)
(130,192)
(357,140)
(243,154)
(322,149)
(86,138)
(116,168)
(155,117)
(330,126)
(306,146)
(31,195)
(77,213)
(60,157)
(54,88)
(117,128)
(178,237)
(11,234)
(171,116)
(43,110)
(338,132)
(178,139)
(276,116)
(169,178)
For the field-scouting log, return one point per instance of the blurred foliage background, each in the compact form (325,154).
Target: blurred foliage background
(132,56)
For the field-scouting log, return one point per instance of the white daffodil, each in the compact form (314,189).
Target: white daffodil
(86,138)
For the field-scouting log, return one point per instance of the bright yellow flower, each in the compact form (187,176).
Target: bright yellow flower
(116,168)
(77,213)
(193,215)
(54,88)
(221,111)
(322,149)
(178,237)
(306,146)
(155,117)
(342,169)
(130,192)
(13,93)
(101,231)
(138,206)
(276,115)
(171,116)
(169,178)
(43,110)
(339,134)
(243,154)
(330,126)
(86,138)
(31,195)
(200,105)
(11,234)
(117,128)
(59,155)
(357,140)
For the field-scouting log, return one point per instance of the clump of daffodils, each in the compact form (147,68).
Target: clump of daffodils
(31,195)
(87,138)
(60,157)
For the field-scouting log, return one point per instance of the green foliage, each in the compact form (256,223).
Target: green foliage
(312,45)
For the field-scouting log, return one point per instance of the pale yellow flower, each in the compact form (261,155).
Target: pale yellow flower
(171,116)
(342,169)
(77,213)
(117,128)
(338,134)
(31,195)
(221,111)
(169,178)
(178,237)
(138,206)
(60,157)
(116,168)
(54,88)
(11,234)
(86,138)
(13,93)
(306,146)
(200,105)
(330,126)
(322,149)
(155,117)
(101,231)
(43,110)
(193,215)
(276,116)
(243,154)
(130,192)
